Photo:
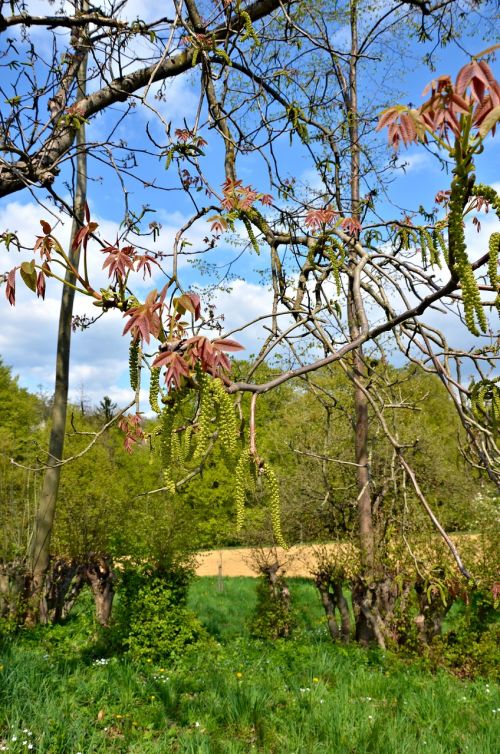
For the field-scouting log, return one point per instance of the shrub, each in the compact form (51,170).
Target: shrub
(273,617)
(153,622)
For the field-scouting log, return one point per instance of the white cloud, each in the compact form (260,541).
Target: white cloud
(416,161)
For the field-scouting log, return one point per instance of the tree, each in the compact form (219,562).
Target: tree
(107,408)
(344,271)
(21,433)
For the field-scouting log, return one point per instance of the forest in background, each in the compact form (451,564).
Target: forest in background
(107,506)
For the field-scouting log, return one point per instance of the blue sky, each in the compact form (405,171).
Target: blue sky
(99,355)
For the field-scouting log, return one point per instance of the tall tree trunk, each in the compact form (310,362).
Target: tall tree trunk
(44,520)
(367,620)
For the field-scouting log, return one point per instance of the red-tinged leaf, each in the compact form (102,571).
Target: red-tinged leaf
(199,348)
(10,289)
(407,129)
(40,285)
(351,226)
(196,302)
(440,84)
(225,344)
(119,262)
(477,75)
(144,318)
(489,122)
(388,116)
(87,213)
(130,425)
(163,294)
(83,234)
(222,363)
(177,368)
(44,244)
(219,224)
(128,443)
(28,275)
(45,227)
(144,263)
(459,104)
(315,218)
(418,124)
(442,197)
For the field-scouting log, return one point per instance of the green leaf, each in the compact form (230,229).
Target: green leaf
(184,304)
(28,274)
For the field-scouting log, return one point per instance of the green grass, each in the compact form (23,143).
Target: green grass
(233,694)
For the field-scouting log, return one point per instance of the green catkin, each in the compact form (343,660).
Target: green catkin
(495,406)
(485,401)
(240,479)
(488,193)
(439,243)
(226,418)
(187,445)
(249,30)
(432,248)
(167,426)
(168,482)
(251,234)
(494,250)
(335,254)
(223,54)
(154,389)
(458,259)
(423,246)
(274,504)
(176,449)
(205,415)
(133,363)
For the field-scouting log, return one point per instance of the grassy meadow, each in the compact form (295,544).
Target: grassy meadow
(230,694)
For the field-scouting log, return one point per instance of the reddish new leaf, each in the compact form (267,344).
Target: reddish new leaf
(351,226)
(40,285)
(225,344)
(315,218)
(82,237)
(131,426)
(119,261)
(10,289)
(199,348)
(144,263)
(177,367)
(144,318)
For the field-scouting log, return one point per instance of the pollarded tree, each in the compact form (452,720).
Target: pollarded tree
(343,270)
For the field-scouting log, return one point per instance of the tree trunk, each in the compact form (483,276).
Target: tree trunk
(332,599)
(12,589)
(64,581)
(100,576)
(40,547)
(368,621)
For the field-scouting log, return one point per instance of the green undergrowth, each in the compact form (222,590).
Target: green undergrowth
(60,693)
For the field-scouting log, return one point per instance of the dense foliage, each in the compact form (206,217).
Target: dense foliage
(102,507)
